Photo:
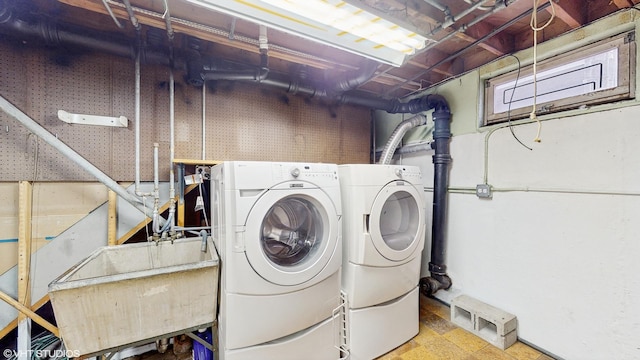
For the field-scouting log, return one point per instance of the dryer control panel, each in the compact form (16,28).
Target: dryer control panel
(257,175)
(378,174)
(410,173)
(319,174)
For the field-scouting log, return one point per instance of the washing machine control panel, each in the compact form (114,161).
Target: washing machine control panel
(409,173)
(315,173)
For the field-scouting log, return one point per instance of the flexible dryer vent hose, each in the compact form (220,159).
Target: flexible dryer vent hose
(396,136)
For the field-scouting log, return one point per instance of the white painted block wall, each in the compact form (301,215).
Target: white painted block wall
(566,263)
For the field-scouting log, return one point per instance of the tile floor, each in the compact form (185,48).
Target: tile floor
(439,339)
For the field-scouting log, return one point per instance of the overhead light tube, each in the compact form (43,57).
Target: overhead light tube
(336,23)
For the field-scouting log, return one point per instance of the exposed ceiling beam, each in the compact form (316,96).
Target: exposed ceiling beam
(426,61)
(622,3)
(415,12)
(392,80)
(422,62)
(573,13)
(498,44)
(439,70)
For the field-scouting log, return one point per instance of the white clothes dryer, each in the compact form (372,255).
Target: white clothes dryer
(277,229)
(383,237)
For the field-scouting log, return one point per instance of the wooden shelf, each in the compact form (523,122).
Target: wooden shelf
(196,162)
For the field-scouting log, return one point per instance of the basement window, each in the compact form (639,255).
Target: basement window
(598,73)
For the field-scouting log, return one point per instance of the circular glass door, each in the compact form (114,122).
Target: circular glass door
(291,231)
(291,236)
(397,221)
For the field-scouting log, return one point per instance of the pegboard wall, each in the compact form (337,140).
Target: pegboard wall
(243,122)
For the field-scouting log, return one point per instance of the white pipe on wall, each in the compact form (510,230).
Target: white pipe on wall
(156,179)
(137,126)
(171,133)
(472,190)
(172,190)
(204,118)
(156,190)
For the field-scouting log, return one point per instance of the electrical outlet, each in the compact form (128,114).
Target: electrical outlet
(483,191)
(204,171)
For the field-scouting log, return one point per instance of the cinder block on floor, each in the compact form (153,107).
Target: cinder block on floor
(496,326)
(462,315)
(503,342)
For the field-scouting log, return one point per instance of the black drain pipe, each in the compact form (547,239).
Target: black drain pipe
(261,75)
(54,34)
(258,74)
(441,160)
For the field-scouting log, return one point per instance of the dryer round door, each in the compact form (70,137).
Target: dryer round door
(291,236)
(397,220)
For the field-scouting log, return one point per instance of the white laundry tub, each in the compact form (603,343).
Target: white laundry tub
(126,294)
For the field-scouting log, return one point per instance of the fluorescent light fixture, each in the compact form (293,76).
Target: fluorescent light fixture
(332,22)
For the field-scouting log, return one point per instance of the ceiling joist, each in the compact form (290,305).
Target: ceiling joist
(498,44)
(622,3)
(571,13)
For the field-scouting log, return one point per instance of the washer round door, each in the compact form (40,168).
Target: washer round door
(291,236)
(397,220)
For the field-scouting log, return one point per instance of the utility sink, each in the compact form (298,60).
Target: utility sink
(128,294)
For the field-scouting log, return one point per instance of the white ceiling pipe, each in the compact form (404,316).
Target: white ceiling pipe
(497,7)
(167,20)
(135,23)
(436,5)
(137,126)
(452,20)
(115,19)
(172,191)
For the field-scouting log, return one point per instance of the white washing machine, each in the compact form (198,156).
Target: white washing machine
(277,229)
(383,238)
